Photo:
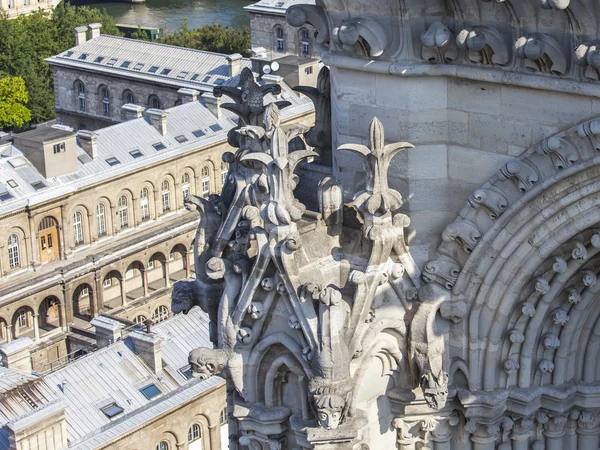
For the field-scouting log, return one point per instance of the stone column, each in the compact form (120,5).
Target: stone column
(136,211)
(145,281)
(571,430)
(90,221)
(123,292)
(68,303)
(98,300)
(34,251)
(408,433)
(114,220)
(36,326)
(157,204)
(9,333)
(167,272)
(61,237)
(176,195)
(442,433)
(520,434)
(554,430)
(188,263)
(483,436)
(588,431)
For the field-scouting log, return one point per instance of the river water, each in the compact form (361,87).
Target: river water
(168,14)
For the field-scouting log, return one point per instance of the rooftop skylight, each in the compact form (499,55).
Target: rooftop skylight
(138,66)
(83,56)
(194,77)
(37,185)
(150,391)
(215,127)
(111,410)
(136,153)
(5,196)
(99,59)
(165,72)
(219,81)
(125,64)
(206,78)
(112,161)
(159,146)
(111,62)
(198,133)
(153,69)
(68,54)
(183,74)
(12,183)
(181,139)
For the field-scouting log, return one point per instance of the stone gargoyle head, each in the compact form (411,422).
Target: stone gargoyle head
(206,362)
(331,401)
(182,298)
(435,389)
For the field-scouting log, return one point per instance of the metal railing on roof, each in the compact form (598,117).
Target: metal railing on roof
(51,366)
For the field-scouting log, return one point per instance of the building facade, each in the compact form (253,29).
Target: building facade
(15,8)
(271,32)
(106,231)
(435,286)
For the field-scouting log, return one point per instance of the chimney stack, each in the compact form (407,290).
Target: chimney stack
(88,142)
(108,330)
(212,103)
(158,119)
(94,30)
(234,64)
(132,111)
(188,95)
(80,35)
(16,355)
(147,347)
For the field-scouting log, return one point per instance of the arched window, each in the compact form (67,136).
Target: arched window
(304,42)
(160,314)
(77,228)
(144,204)
(105,95)
(205,181)
(185,185)
(140,319)
(279,40)
(128,97)
(166,196)
(123,212)
(224,172)
(14,259)
(80,90)
(101,219)
(194,433)
(154,102)
(162,446)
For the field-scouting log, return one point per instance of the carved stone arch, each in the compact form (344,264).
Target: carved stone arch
(277,375)
(544,203)
(171,438)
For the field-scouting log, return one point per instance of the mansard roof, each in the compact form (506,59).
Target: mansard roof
(118,141)
(112,55)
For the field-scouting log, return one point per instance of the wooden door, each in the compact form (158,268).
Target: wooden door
(48,242)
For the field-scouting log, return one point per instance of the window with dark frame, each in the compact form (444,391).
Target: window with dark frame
(136,153)
(150,391)
(181,139)
(112,161)
(112,410)
(198,133)
(159,146)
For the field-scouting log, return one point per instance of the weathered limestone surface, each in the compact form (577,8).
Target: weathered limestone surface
(442,295)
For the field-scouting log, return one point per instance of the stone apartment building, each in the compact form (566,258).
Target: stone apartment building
(135,393)
(94,222)
(15,8)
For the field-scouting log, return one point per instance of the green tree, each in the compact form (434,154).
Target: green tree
(213,38)
(140,35)
(27,40)
(13,98)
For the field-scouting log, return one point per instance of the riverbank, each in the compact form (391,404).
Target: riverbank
(169,14)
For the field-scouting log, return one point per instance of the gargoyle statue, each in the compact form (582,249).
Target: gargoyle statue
(435,389)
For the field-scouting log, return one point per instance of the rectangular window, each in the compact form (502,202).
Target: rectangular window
(43,242)
(171,256)
(22,320)
(145,209)
(198,133)
(125,64)
(13,256)
(183,75)
(181,139)
(151,264)
(112,410)
(206,78)
(68,54)
(194,77)
(58,148)
(107,283)
(83,56)
(166,201)
(81,103)
(123,218)
(159,146)
(138,66)
(50,244)
(165,72)
(5,196)
(136,153)
(216,127)
(85,292)
(153,69)
(308,70)
(112,161)
(111,62)
(150,391)
(205,186)
(99,59)
(185,191)
(106,108)
(38,185)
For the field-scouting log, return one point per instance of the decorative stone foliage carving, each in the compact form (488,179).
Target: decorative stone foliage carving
(362,35)
(588,56)
(485,45)
(541,53)
(438,44)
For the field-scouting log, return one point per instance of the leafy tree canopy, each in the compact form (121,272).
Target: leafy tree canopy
(213,38)
(13,98)
(27,40)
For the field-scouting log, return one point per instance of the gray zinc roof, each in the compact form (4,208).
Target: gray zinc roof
(278,7)
(189,68)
